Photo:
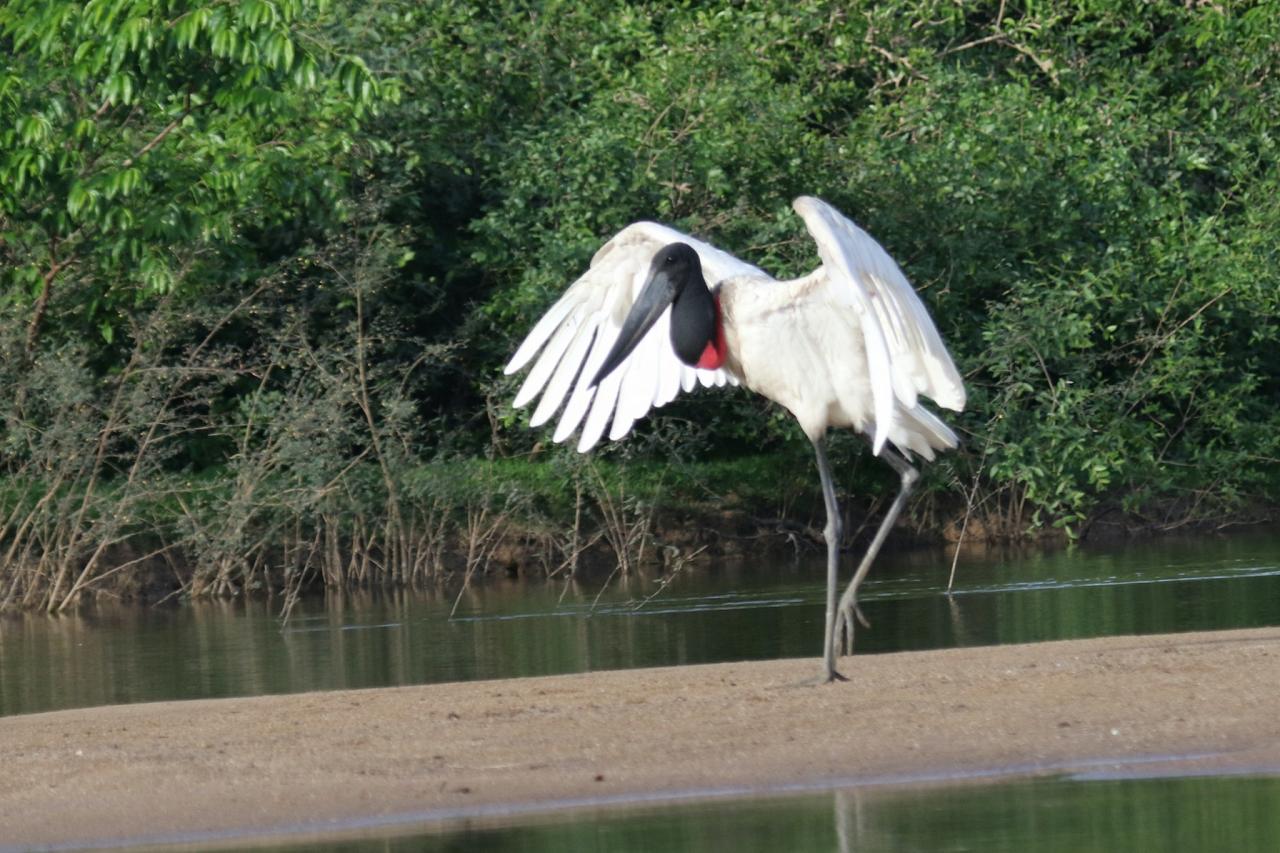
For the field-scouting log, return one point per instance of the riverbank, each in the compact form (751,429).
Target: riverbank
(454,522)
(1183,703)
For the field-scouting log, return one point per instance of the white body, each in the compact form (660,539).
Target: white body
(849,345)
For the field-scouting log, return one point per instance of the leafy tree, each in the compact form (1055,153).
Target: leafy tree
(1083,191)
(384,196)
(144,143)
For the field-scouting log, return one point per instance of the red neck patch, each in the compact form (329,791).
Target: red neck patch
(713,356)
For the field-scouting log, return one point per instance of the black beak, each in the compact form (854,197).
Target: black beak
(656,295)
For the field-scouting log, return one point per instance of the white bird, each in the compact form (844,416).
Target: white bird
(848,345)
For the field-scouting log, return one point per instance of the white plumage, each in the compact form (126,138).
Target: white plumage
(877,323)
(581,327)
(849,345)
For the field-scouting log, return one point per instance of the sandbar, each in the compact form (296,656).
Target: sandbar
(269,766)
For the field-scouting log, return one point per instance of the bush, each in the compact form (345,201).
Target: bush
(254,297)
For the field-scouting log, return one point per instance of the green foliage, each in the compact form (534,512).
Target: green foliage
(143,142)
(1085,193)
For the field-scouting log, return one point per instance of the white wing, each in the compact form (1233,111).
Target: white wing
(905,354)
(575,335)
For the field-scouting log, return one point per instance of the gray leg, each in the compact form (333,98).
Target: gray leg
(848,608)
(832,534)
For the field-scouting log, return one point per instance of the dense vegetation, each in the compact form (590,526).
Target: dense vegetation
(261,262)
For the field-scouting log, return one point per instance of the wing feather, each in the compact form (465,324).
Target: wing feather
(541,331)
(602,409)
(688,378)
(582,396)
(640,384)
(563,378)
(577,332)
(669,374)
(546,364)
(905,353)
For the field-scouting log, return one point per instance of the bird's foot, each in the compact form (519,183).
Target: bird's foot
(828,675)
(845,618)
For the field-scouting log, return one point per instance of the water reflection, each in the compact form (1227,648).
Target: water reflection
(743,611)
(1209,814)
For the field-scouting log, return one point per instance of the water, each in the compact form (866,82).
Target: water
(729,612)
(1044,815)
(105,655)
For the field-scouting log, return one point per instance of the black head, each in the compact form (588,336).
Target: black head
(677,261)
(675,279)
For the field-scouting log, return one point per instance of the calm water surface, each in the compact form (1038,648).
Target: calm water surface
(1190,815)
(105,655)
(729,612)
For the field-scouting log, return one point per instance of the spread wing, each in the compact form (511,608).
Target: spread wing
(905,354)
(576,334)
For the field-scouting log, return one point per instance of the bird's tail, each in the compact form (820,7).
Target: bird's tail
(918,430)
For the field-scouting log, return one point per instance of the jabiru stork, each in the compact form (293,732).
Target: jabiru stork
(848,345)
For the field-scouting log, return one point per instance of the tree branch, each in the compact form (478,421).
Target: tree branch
(42,301)
(157,139)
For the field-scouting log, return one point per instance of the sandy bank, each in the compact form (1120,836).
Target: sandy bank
(262,764)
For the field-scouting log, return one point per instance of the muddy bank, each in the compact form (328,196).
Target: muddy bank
(263,765)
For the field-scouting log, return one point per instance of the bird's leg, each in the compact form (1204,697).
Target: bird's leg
(832,534)
(848,608)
